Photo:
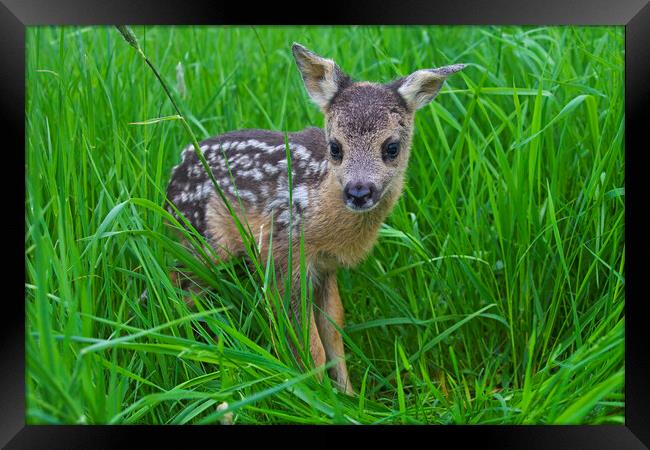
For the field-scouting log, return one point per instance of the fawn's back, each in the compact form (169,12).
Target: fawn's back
(251,166)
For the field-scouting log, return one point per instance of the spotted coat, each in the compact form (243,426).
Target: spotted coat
(250,166)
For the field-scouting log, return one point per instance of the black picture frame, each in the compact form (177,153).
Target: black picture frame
(15,15)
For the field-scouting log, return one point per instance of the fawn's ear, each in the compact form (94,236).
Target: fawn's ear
(419,88)
(322,77)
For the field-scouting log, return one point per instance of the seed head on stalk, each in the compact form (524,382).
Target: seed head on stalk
(130,38)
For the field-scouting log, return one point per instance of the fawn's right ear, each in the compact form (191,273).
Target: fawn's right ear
(419,88)
(322,77)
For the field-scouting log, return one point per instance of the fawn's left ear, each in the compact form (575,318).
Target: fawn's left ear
(422,86)
(322,77)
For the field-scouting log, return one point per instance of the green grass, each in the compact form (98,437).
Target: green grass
(495,293)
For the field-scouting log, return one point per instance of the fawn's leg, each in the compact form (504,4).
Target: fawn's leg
(315,344)
(181,281)
(187,284)
(184,279)
(330,304)
(316,348)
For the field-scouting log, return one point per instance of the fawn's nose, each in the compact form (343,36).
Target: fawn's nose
(360,194)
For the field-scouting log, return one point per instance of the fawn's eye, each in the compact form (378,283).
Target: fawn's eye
(335,151)
(391,151)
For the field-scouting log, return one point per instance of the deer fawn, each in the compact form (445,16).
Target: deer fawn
(345,181)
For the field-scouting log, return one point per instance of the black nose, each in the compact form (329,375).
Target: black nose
(359,193)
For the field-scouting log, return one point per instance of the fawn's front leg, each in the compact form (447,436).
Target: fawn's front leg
(316,348)
(330,309)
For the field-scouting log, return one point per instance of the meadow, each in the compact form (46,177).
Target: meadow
(495,294)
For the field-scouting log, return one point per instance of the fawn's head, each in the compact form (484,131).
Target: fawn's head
(368,125)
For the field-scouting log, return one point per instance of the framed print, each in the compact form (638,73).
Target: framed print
(412,216)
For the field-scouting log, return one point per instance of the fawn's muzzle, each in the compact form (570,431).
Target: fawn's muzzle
(360,196)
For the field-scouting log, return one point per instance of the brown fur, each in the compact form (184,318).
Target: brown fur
(225,236)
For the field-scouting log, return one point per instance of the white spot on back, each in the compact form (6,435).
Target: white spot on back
(257,175)
(300,152)
(301,196)
(244,161)
(206,189)
(284,217)
(221,146)
(270,168)
(248,195)
(229,145)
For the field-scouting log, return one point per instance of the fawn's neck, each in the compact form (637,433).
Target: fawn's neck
(338,236)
